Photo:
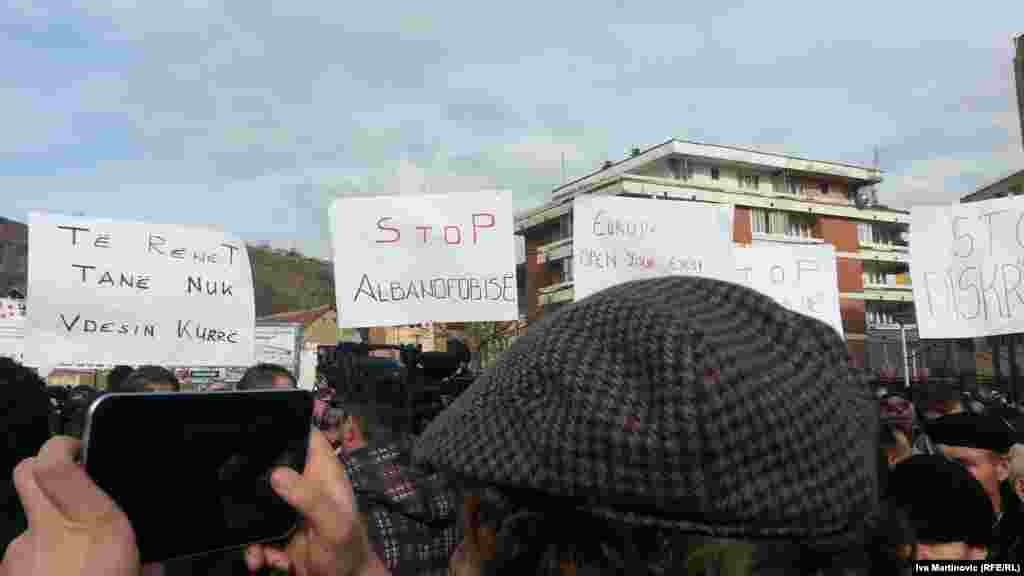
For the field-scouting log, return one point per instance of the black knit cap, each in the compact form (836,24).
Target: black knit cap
(967,430)
(943,501)
(682,402)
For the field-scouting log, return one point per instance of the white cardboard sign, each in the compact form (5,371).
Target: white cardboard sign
(967,268)
(802,278)
(109,292)
(279,344)
(617,239)
(411,259)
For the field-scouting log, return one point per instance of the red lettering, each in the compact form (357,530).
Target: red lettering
(458,232)
(395,231)
(478,226)
(426,233)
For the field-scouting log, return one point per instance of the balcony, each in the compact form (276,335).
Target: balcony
(556,293)
(554,250)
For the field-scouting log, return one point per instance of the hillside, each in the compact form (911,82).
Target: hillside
(286,281)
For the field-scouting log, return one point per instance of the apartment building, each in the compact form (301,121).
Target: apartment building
(777,198)
(1010,185)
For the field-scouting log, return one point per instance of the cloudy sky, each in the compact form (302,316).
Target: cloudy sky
(250,115)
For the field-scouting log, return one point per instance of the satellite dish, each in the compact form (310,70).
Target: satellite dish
(864,198)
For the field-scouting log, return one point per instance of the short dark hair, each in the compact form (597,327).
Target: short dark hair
(149,375)
(117,377)
(262,376)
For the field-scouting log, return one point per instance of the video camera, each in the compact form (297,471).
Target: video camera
(412,386)
(69,408)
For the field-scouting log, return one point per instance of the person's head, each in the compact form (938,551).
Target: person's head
(25,413)
(265,377)
(356,426)
(658,421)
(332,424)
(1017,470)
(981,444)
(116,378)
(151,379)
(896,444)
(947,507)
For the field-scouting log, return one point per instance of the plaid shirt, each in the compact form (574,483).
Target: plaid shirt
(411,517)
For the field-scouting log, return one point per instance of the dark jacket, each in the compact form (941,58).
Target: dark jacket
(411,516)
(1008,534)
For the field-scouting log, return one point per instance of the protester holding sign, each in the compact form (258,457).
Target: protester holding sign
(801,278)
(617,239)
(413,259)
(967,265)
(108,292)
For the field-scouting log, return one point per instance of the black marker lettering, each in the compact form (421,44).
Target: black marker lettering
(83,268)
(73,322)
(156,240)
(366,288)
(231,252)
(74,232)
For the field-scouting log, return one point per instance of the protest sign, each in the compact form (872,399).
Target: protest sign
(12,329)
(279,344)
(800,277)
(967,268)
(617,239)
(108,292)
(410,259)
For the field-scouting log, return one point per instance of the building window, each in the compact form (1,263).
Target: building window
(778,223)
(565,226)
(20,258)
(674,168)
(889,275)
(715,173)
(886,313)
(567,270)
(824,187)
(747,180)
(874,276)
(873,233)
(3,254)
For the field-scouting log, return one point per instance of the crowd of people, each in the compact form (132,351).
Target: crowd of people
(666,426)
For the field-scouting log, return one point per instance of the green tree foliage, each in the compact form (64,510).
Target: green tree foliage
(286,281)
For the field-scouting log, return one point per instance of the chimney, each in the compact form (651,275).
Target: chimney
(1018,67)
(635,152)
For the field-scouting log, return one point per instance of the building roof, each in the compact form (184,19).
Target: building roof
(988,187)
(727,153)
(304,317)
(13,231)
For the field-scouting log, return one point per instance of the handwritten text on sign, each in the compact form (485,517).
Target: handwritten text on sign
(967,268)
(801,278)
(617,239)
(111,292)
(411,259)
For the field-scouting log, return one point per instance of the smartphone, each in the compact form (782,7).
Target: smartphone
(192,470)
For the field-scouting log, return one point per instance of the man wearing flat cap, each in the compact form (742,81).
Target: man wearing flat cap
(982,444)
